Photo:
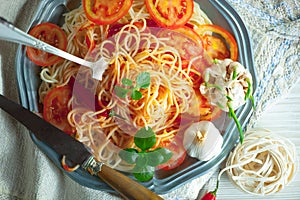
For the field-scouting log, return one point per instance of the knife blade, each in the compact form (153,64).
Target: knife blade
(75,151)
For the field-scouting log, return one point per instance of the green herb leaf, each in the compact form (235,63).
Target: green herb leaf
(166,153)
(143,80)
(111,113)
(130,155)
(136,95)
(126,82)
(121,92)
(145,138)
(159,156)
(154,158)
(144,174)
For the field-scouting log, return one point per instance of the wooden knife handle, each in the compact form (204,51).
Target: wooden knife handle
(128,188)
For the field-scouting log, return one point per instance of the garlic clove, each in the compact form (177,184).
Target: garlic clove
(203,140)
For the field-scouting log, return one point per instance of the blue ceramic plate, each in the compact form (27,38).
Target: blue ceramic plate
(222,14)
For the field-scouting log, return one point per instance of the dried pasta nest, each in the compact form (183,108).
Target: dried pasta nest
(263,164)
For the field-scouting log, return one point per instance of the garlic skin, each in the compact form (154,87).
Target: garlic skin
(202,140)
(226,80)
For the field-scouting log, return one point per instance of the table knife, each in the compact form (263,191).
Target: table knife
(76,152)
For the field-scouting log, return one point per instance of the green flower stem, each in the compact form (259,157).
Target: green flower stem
(216,189)
(213,86)
(234,75)
(233,115)
(248,93)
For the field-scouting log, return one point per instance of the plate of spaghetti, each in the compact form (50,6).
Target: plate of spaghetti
(134,117)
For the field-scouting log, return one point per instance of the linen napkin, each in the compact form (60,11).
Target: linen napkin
(26,173)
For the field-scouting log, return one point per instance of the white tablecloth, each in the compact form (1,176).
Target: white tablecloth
(26,173)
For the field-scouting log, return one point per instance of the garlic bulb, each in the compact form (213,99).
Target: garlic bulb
(227,81)
(202,140)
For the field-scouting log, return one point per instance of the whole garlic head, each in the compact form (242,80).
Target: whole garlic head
(202,140)
(226,81)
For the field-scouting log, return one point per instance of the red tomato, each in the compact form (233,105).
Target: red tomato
(208,112)
(215,47)
(185,40)
(230,40)
(106,12)
(190,33)
(179,154)
(189,45)
(170,14)
(56,108)
(51,34)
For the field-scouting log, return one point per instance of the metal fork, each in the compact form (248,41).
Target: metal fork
(9,32)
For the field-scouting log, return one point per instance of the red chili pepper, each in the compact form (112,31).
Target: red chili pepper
(209,196)
(212,195)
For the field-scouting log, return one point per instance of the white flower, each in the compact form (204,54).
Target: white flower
(226,82)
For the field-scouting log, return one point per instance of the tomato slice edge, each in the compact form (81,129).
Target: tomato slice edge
(47,28)
(98,19)
(58,94)
(229,38)
(164,22)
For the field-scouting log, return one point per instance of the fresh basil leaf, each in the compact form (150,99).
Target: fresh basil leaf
(136,95)
(144,174)
(142,160)
(143,80)
(165,153)
(154,158)
(145,138)
(121,92)
(129,155)
(126,82)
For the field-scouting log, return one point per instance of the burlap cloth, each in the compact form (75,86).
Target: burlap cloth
(26,173)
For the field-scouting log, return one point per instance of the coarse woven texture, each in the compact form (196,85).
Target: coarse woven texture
(274,28)
(26,173)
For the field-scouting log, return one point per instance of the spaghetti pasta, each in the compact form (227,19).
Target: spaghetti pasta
(135,48)
(263,164)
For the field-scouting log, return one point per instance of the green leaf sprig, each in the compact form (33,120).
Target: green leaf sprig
(145,160)
(142,82)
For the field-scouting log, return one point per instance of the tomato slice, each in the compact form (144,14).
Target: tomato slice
(215,47)
(230,40)
(185,40)
(179,154)
(190,33)
(106,12)
(56,108)
(189,45)
(170,14)
(208,112)
(51,34)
